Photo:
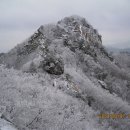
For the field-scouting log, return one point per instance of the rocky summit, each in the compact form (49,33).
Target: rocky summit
(62,78)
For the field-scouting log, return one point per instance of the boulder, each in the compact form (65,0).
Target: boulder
(53,65)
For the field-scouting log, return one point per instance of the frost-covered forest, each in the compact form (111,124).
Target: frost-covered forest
(62,78)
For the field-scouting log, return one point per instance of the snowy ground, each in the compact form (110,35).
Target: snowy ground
(4,125)
(32,102)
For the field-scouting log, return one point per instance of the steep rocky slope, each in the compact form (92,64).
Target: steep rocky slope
(64,79)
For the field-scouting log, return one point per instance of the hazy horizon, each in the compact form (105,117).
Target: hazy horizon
(20,19)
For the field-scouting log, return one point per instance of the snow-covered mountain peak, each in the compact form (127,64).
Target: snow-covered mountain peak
(80,28)
(73,33)
(62,79)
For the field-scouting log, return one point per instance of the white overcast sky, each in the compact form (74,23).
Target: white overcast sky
(20,18)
